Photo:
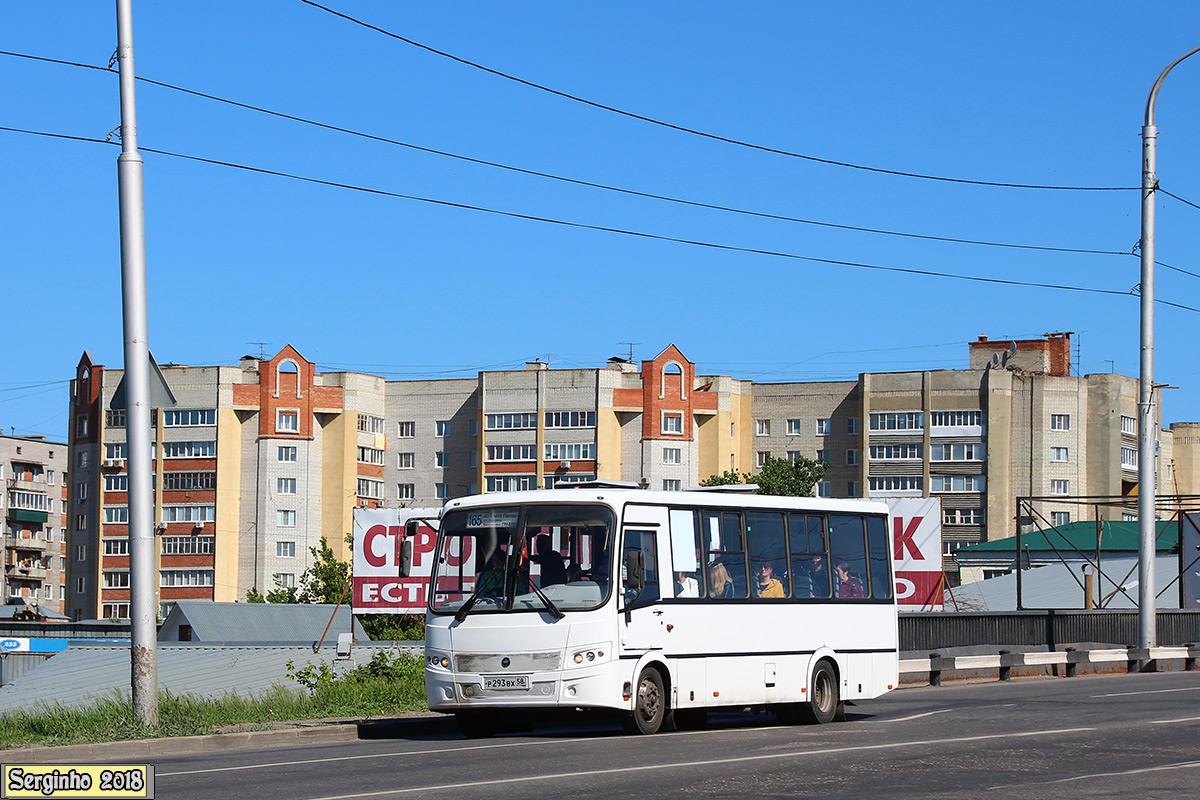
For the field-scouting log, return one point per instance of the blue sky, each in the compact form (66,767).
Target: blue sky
(1041,93)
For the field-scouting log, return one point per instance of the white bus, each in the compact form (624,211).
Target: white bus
(661,606)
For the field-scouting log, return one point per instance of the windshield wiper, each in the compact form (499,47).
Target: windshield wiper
(553,609)
(465,609)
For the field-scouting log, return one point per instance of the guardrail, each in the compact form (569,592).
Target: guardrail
(1134,660)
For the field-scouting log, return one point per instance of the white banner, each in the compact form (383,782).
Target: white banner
(378,587)
(917,551)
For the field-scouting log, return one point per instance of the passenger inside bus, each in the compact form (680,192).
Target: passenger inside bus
(685,585)
(765,583)
(719,582)
(812,578)
(847,584)
(490,582)
(554,569)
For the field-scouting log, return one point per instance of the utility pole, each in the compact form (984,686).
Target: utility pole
(143,613)
(1147,416)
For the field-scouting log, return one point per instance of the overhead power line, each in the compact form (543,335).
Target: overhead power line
(577,181)
(605,228)
(704,134)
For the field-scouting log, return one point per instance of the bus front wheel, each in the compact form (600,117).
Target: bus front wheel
(649,706)
(823,701)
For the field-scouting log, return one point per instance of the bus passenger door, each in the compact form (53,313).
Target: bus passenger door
(641,623)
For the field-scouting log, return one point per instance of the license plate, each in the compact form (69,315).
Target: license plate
(506,683)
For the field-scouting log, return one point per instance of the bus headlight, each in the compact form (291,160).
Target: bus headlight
(438,660)
(590,654)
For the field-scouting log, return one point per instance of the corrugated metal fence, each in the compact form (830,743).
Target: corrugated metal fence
(924,632)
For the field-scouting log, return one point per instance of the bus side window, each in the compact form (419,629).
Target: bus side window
(686,547)
(809,559)
(848,551)
(726,570)
(644,541)
(877,541)
(767,553)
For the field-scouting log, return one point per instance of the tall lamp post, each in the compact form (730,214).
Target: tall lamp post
(1147,421)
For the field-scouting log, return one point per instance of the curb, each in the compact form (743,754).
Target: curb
(245,740)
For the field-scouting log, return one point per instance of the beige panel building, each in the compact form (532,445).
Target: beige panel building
(34,506)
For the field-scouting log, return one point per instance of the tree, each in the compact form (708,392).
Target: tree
(726,478)
(790,477)
(325,581)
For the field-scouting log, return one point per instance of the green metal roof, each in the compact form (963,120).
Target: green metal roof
(1115,537)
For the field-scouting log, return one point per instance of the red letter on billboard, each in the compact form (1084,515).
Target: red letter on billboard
(373,558)
(903,537)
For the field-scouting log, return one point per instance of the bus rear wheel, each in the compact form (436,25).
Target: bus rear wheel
(823,701)
(476,724)
(649,706)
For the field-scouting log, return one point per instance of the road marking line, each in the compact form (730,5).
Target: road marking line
(1154,691)
(701,763)
(1178,765)
(918,716)
(1173,721)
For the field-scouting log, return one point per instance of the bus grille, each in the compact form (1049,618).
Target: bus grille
(519,662)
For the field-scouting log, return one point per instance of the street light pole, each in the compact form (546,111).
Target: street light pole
(1147,415)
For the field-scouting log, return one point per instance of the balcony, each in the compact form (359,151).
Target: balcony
(18,572)
(18,543)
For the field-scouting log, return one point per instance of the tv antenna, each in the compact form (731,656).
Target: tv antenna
(631,344)
(262,354)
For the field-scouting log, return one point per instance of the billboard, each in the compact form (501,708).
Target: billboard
(377,587)
(917,551)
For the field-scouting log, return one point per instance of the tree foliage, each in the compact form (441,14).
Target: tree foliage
(325,581)
(778,476)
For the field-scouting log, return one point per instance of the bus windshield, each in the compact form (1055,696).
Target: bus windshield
(537,557)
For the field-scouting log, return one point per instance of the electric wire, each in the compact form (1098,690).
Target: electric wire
(608,229)
(577,181)
(706,135)
(1177,197)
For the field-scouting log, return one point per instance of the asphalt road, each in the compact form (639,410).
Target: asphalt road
(1095,737)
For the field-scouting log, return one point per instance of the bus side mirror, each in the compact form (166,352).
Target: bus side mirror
(406,549)
(635,570)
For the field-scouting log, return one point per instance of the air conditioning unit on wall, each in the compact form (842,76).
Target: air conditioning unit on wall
(564,465)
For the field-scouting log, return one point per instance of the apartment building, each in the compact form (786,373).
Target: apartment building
(34,505)
(253,464)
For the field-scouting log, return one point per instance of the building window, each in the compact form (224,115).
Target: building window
(196,514)
(81,490)
(189,449)
(1060,422)
(473,459)
(370,488)
(511,483)
(555,480)
(442,427)
(285,580)
(1128,425)
(762,427)
(442,458)
(1129,458)
(898,483)
(188,545)
(116,483)
(570,419)
(823,456)
(761,458)
(287,421)
(571,452)
(671,485)
(189,481)
(672,423)
(898,421)
(406,430)
(285,518)
(115,451)
(370,455)
(114,417)
(851,458)
(80,586)
(116,611)
(957,483)
(116,579)
(1060,486)
(732,430)
(80,522)
(174,418)
(405,460)
(962,516)
(186,577)
(442,490)
(966,451)
(897,452)
(824,489)
(955,419)
(405,491)
(49,475)
(81,459)
(852,426)
(116,515)
(852,489)
(285,549)
(285,485)
(1061,518)
(511,452)
(500,422)
(473,426)
(287,454)
(824,427)
(81,425)
(672,455)
(793,427)
(370,424)
(1058,454)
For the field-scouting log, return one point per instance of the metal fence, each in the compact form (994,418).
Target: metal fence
(926,632)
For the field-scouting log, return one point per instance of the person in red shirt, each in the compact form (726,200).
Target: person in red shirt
(847,585)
